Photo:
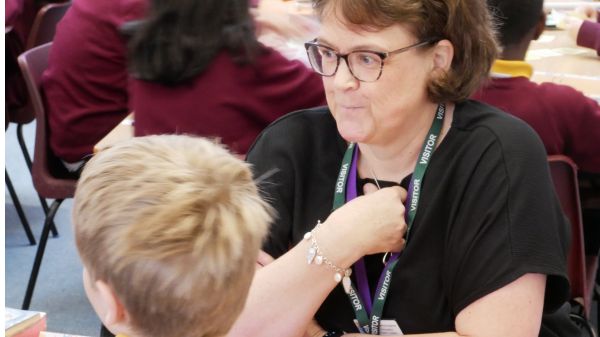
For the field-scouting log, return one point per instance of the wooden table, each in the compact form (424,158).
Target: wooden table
(556,58)
(568,5)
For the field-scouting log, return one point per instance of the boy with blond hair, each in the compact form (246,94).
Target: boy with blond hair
(168,229)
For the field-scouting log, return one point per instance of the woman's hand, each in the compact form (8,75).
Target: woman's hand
(369,224)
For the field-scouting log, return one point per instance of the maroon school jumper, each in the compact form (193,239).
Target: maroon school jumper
(19,14)
(589,34)
(86,82)
(567,121)
(227,101)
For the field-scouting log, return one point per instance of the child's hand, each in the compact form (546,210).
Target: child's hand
(586,12)
(572,25)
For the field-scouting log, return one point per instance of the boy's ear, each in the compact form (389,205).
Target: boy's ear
(115,313)
(540,26)
(443,53)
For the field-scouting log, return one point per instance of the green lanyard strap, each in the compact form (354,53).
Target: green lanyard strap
(363,323)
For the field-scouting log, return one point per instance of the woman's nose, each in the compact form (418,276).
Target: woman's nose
(343,78)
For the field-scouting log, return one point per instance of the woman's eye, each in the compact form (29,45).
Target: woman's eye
(327,54)
(368,59)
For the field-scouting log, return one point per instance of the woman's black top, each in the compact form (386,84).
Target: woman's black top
(488,214)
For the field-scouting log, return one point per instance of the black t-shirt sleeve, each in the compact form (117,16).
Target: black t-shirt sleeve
(509,223)
(271,162)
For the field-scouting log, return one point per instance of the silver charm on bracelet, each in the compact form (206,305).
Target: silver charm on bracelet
(314,254)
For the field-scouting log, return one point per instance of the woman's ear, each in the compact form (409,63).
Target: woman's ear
(442,52)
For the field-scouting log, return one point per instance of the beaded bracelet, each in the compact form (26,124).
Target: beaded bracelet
(314,254)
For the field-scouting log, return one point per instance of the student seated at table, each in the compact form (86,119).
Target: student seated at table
(86,80)
(18,20)
(586,33)
(566,120)
(168,229)
(199,69)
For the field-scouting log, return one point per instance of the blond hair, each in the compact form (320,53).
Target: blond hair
(173,224)
(467,24)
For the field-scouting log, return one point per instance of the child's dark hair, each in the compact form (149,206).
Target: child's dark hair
(179,38)
(515,18)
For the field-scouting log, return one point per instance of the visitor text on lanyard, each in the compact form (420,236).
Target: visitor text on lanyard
(346,190)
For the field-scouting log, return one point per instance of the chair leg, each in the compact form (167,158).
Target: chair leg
(15,199)
(46,210)
(23,147)
(40,253)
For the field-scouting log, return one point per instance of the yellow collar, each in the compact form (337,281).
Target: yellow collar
(505,68)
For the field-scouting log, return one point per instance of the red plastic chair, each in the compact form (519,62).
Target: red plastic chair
(44,25)
(42,31)
(582,279)
(50,178)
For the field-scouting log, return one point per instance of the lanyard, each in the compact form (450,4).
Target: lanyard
(346,190)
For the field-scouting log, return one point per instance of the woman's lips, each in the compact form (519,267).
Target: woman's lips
(350,107)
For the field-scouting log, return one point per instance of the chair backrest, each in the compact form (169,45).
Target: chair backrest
(44,25)
(50,178)
(564,177)
(42,31)
(17,101)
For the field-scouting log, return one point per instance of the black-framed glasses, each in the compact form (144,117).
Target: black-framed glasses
(364,65)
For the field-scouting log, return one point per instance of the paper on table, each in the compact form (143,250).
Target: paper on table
(537,54)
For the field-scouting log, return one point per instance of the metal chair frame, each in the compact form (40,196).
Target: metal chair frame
(48,180)
(564,177)
(20,212)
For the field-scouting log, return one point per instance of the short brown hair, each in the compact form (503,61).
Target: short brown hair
(466,24)
(174,225)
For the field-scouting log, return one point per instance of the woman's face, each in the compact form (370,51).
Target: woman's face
(373,112)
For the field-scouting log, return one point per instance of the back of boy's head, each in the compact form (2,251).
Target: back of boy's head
(515,18)
(173,224)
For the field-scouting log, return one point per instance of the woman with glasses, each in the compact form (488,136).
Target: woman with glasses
(402,206)
(199,69)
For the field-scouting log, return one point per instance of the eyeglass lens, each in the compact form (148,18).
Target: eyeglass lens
(365,66)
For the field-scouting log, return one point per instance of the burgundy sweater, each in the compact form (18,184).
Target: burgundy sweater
(19,14)
(567,121)
(589,34)
(86,81)
(227,101)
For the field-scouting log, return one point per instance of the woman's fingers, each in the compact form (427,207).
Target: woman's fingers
(369,188)
(374,222)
